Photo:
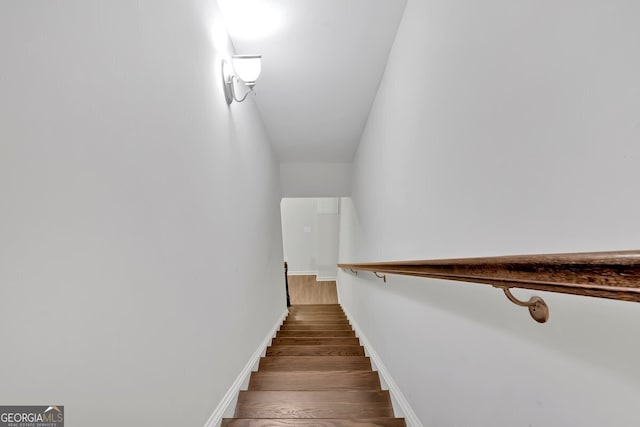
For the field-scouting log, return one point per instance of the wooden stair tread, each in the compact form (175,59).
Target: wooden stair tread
(316,327)
(313,404)
(314,374)
(315,350)
(312,333)
(316,311)
(307,318)
(294,310)
(319,341)
(318,322)
(315,380)
(315,308)
(315,422)
(315,363)
(333,322)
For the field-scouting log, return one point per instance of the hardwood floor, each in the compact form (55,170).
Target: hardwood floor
(314,374)
(306,290)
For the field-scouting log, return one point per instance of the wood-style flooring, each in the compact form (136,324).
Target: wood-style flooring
(314,374)
(306,290)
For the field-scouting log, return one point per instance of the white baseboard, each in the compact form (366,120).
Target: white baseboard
(400,403)
(326,279)
(228,402)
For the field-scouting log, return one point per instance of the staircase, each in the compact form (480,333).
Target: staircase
(315,373)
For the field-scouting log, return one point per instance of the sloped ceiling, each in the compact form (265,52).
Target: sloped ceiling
(322,64)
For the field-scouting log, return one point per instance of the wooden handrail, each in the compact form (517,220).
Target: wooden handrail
(612,275)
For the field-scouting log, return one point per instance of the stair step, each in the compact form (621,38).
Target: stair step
(318,312)
(318,322)
(316,317)
(315,350)
(313,404)
(319,341)
(301,422)
(315,309)
(315,363)
(314,374)
(315,380)
(316,327)
(308,333)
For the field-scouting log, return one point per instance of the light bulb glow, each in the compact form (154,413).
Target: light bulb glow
(251,19)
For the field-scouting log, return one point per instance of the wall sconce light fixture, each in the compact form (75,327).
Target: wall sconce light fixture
(243,68)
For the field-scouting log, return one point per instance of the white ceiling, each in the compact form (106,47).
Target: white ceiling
(321,67)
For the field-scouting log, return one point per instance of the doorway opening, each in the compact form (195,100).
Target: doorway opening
(310,239)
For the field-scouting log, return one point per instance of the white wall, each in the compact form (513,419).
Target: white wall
(328,227)
(310,233)
(300,179)
(299,234)
(135,282)
(501,128)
